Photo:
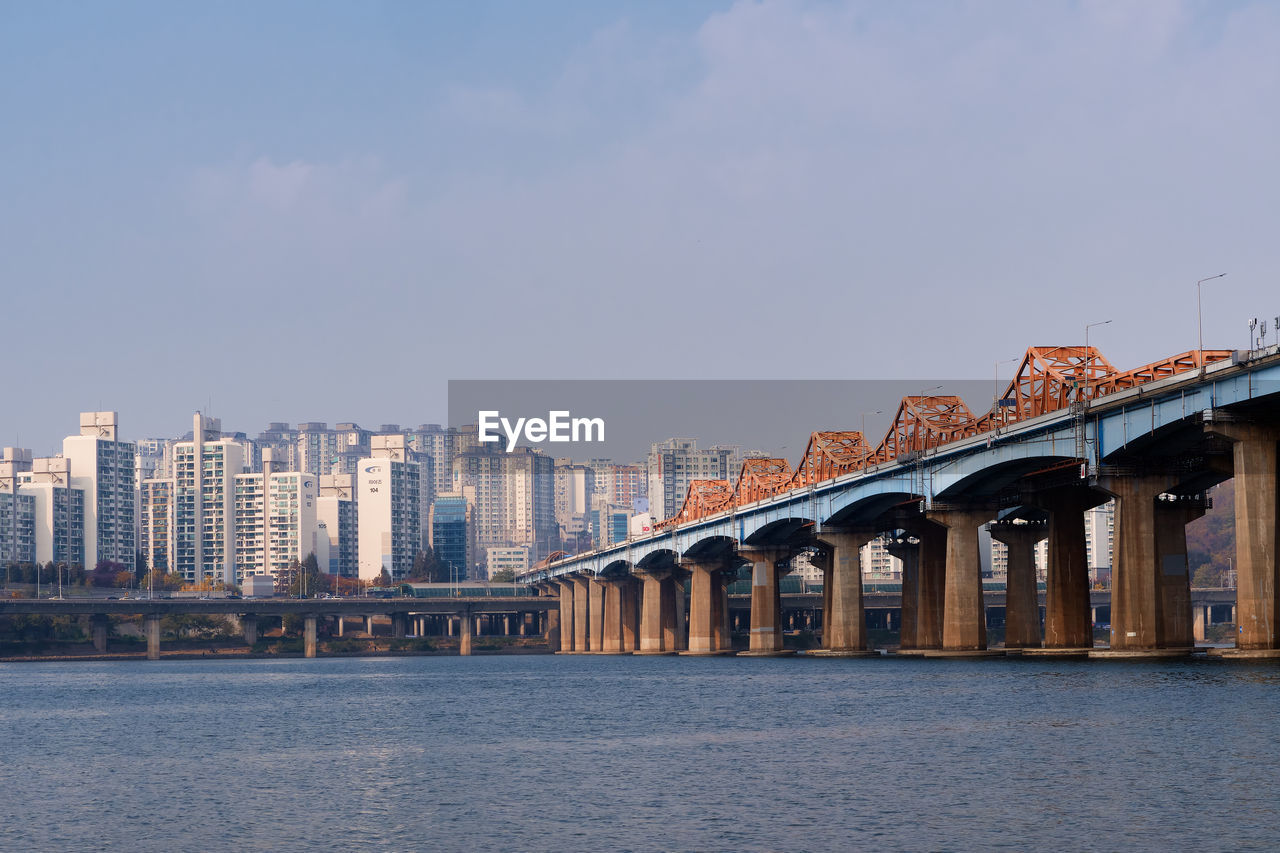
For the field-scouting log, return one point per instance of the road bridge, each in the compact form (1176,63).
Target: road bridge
(531,613)
(1069,433)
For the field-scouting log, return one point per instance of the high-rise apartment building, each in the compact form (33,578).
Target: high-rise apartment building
(275,520)
(337,520)
(204,503)
(102,467)
(17,511)
(390,509)
(155,514)
(512,497)
(58,510)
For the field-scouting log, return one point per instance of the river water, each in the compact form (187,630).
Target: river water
(550,753)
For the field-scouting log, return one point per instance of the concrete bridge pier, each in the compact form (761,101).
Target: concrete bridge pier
(964,624)
(629,591)
(398,625)
(552,634)
(907,551)
(845,629)
(249,623)
(368,625)
(581,613)
(1254,463)
(99,626)
(565,616)
(619,615)
(1137,602)
(652,610)
(766,602)
(707,606)
(309,636)
(151,629)
(595,615)
(1067,623)
(923,589)
(674,633)
(1174,571)
(465,636)
(1022,604)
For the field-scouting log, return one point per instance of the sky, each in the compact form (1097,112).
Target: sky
(318,211)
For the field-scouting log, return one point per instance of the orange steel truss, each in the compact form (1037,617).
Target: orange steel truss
(1049,379)
(761,478)
(830,454)
(1193,360)
(922,423)
(705,497)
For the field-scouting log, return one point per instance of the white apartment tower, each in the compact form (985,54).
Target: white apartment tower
(388,489)
(102,467)
(204,503)
(59,510)
(275,519)
(338,521)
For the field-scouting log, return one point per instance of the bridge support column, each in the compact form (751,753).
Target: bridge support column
(964,626)
(1174,572)
(933,574)
(99,625)
(611,597)
(398,621)
(553,632)
(630,614)
(706,607)
(249,623)
(565,615)
(908,552)
(465,635)
(845,631)
(1136,596)
(340,626)
(368,625)
(596,616)
(766,603)
(581,611)
(652,601)
(151,628)
(309,636)
(1021,603)
(673,634)
(1199,624)
(1254,462)
(1066,612)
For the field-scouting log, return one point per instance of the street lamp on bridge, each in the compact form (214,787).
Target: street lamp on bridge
(1088,355)
(1200,312)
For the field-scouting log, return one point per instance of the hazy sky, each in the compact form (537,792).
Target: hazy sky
(323,211)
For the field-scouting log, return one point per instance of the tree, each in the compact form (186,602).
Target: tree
(104,573)
(504,576)
(307,581)
(384,577)
(428,568)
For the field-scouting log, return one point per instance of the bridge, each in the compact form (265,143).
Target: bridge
(455,612)
(1069,433)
